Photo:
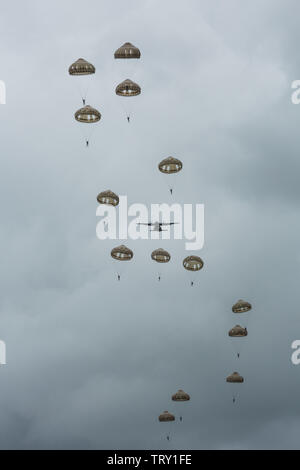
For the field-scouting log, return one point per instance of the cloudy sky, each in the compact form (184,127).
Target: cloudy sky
(91,362)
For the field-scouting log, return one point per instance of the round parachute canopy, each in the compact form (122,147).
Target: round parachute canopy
(127,51)
(128,88)
(180,396)
(235,378)
(241,306)
(238,332)
(170,165)
(108,197)
(160,256)
(193,263)
(81,67)
(87,115)
(166,416)
(121,253)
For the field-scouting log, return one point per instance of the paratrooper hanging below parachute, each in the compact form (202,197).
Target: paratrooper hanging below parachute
(87,115)
(82,68)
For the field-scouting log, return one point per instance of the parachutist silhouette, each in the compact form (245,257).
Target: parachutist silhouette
(159,278)
(180,418)
(83,101)
(119,277)
(233,400)
(192,283)
(128,118)
(87,143)
(171,191)
(168,438)
(238,355)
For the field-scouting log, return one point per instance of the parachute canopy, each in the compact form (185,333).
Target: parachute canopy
(87,114)
(127,51)
(241,306)
(193,263)
(81,67)
(170,165)
(160,256)
(122,253)
(166,416)
(238,332)
(108,197)
(235,378)
(128,88)
(180,396)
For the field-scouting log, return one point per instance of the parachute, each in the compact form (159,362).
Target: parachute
(167,417)
(236,334)
(170,167)
(85,70)
(120,254)
(87,115)
(192,264)
(108,197)
(241,306)
(162,257)
(127,51)
(180,396)
(234,379)
(128,89)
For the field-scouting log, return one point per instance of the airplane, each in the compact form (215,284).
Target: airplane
(157,226)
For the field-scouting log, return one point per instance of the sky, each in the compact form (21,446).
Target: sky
(92,362)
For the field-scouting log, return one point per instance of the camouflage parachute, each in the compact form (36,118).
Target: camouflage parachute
(238,332)
(241,306)
(87,115)
(166,417)
(128,88)
(121,253)
(180,396)
(235,377)
(193,263)
(170,165)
